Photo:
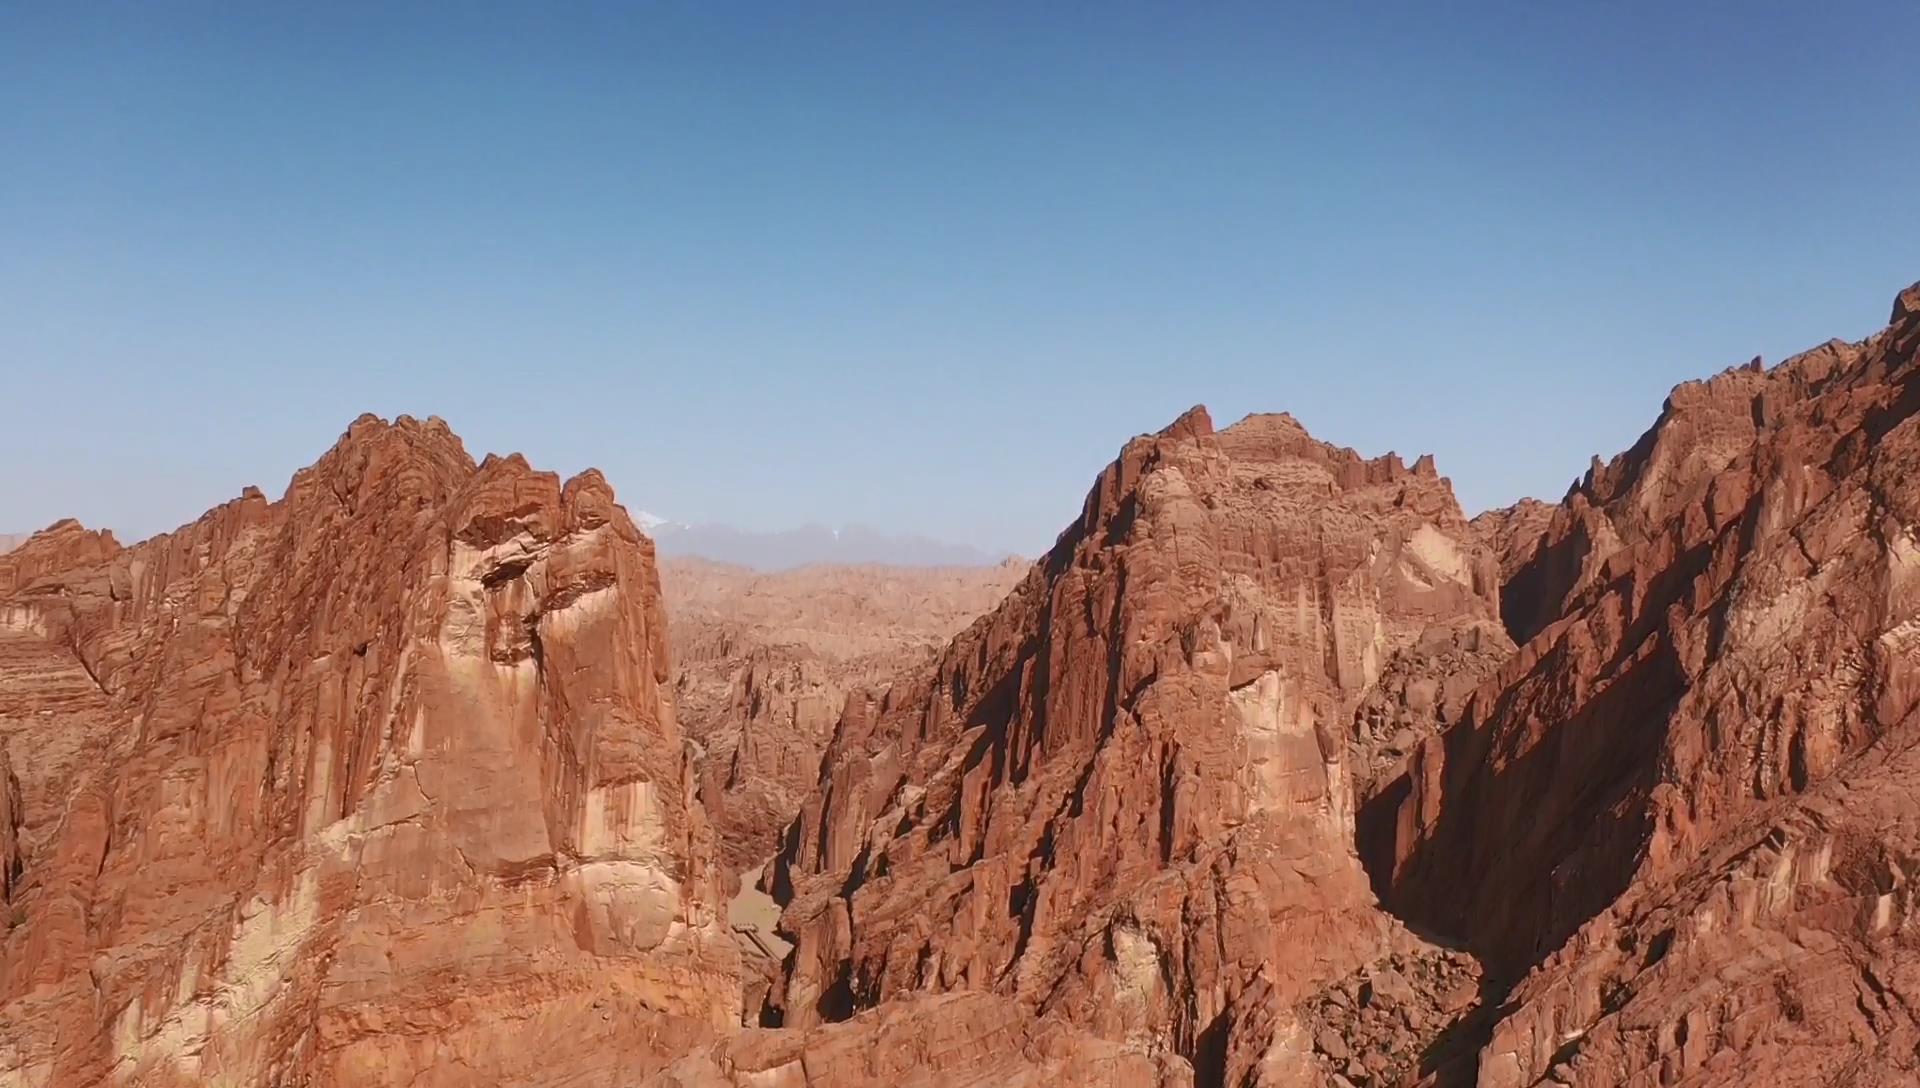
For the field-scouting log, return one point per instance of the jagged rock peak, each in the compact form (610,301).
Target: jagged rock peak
(1656,821)
(378,784)
(1906,306)
(1145,747)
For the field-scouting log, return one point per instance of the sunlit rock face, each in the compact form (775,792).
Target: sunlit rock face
(376,784)
(1274,771)
(1123,799)
(765,661)
(1682,819)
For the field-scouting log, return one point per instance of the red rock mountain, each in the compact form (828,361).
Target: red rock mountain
(1275,770)
(764,662)
(1124,799)
(378,784)
(1682,816)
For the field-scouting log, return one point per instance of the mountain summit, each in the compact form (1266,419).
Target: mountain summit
(1274,770)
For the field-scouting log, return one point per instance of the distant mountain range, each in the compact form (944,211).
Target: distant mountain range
(781,550)
(808,544)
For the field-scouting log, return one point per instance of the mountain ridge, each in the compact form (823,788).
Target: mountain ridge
(1274,769)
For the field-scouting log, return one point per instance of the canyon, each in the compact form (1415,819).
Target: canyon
(1276,769)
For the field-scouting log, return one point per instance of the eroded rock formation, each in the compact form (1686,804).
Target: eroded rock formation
(1681,817)
(764,663)
(1275,770)
(951,1040)
(1123,800)
(378,784)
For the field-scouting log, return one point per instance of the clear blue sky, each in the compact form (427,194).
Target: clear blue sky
(920,266)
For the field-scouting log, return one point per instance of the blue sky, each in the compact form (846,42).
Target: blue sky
(919,266)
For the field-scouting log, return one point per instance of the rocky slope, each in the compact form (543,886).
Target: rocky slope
(1124,799)
(763,664)
(377,784)
(1681,817)
(1275,770)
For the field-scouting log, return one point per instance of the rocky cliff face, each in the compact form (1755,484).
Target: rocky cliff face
(965,1039)
(378,784)
(1124,799)
(763,664)
(1275,770)
(1681,816)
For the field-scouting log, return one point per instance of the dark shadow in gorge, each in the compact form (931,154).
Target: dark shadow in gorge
(1544,790)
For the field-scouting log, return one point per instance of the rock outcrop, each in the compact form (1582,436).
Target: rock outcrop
(1275,770)
(1681,817)
(763,664)
(1123,799)
(953,1040)
(377,784)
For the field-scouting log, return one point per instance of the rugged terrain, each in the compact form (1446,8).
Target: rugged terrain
(1681,818)
(1275,770)
(377,784)
(1124,800)
(764,661)
(763,665)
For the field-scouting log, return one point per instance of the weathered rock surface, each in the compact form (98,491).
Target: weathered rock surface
(955,1040)
(1682,816)
(378,784)
(1376,1025)
(384,783)
(764,663)
(1123,800)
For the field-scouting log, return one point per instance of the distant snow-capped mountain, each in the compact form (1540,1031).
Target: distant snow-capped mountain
(806,545)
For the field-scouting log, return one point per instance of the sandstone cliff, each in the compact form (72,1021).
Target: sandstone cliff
(377,784)
(763,664)
(1681,818)
(1124,799)
(1274,770)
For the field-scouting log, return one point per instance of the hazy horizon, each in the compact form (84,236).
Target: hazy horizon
(914,269)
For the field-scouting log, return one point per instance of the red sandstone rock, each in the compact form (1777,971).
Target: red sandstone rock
(384,783)
(378,784)
(1684,811)
(1123,799)
(938,1041)
(764,663)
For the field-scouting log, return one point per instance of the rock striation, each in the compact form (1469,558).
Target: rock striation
(1679,821)
(1123,800)
(764,662)
(377,784)
(1275,770)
